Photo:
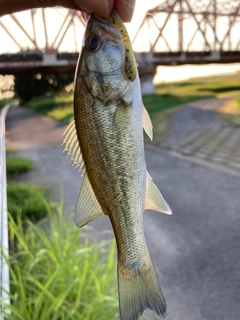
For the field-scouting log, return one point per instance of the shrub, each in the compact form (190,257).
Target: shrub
(27,201)
(17,165)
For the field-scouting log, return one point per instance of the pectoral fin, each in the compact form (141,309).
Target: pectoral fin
(147,123)
(154,200)
(88,207)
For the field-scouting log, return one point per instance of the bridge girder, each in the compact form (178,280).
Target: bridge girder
(179,32)
(38,27)
(215,23)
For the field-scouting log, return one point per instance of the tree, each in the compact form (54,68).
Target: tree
(27,86)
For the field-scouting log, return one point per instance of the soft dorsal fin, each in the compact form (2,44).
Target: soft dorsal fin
(88,207)
(154,200)
(71,146)
(147,123)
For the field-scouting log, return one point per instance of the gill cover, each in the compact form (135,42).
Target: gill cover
(130,63)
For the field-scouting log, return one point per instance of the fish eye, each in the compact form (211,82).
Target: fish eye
(92,43)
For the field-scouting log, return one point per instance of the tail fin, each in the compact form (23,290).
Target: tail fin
(139,291)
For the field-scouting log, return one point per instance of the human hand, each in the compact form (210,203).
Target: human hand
(102,8)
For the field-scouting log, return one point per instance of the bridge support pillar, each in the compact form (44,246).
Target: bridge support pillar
(147,85)
(146,75)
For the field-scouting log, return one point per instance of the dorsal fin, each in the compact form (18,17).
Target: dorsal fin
(154,199)
(71,146)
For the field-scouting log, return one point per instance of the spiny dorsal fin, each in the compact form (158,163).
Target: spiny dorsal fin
(147,123)
(154,200)
(88,207)
(71,146)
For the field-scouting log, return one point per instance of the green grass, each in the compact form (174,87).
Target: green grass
(18,165)
(27,201)
(56,272)
(174,94)
(230,111)
(157,103)
(58,108)
(59,274)
(238,104)
(167,95)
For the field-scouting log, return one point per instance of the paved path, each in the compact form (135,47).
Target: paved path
(196,249)
(40,139)
(198,134)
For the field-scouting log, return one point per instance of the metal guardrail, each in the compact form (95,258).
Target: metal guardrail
(4,270)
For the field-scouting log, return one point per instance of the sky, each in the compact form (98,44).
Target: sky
(55,18)
(57,15)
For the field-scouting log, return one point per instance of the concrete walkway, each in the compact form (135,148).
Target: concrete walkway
(39,139)
(197,248)
(197,134)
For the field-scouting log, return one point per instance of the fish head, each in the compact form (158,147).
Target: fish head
(103,48)
(102,60)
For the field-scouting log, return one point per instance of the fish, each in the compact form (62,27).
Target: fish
(105,140)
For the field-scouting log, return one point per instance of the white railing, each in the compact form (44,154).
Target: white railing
(4,270)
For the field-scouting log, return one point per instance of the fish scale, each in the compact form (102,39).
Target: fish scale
(109,118)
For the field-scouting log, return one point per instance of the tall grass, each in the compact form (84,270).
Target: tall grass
(57,273)
(58,108)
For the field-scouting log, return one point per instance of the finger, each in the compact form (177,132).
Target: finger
(125,8)
(11,6)
(101,8)
(85,15)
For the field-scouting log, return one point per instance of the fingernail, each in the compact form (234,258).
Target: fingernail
(130,5)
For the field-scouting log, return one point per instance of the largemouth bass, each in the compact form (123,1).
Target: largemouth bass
(106,141)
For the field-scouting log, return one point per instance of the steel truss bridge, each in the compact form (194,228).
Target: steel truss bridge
(175,32)
(41,39)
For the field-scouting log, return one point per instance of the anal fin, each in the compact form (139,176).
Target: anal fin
(154,199)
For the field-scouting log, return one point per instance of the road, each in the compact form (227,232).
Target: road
(196,250)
